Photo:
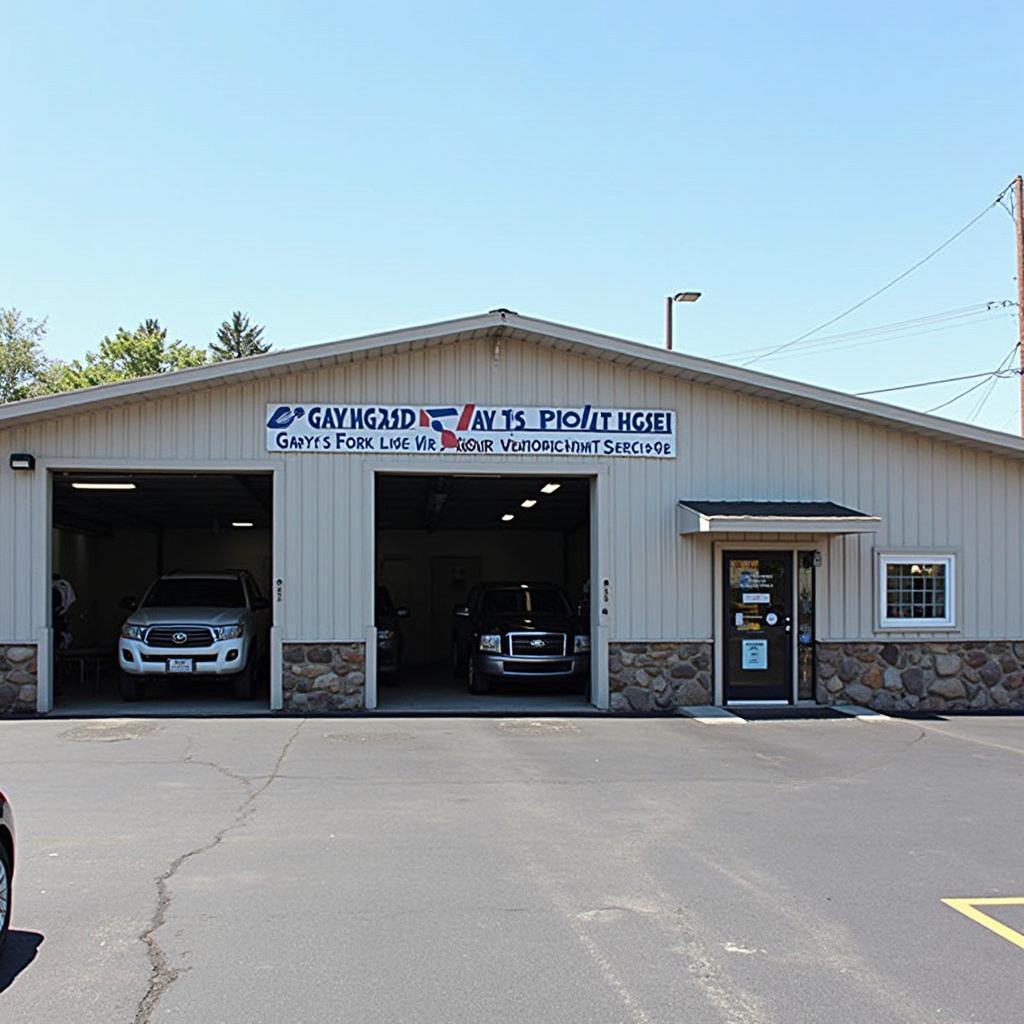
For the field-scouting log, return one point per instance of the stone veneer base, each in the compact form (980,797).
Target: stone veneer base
(659,676)
(19,679)
(911,676)
(324,677)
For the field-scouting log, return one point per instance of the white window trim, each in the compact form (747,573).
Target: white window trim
(948,621)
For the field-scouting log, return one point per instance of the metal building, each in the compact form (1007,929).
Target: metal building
(732,537)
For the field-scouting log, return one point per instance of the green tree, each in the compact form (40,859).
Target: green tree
(237,338)
(143,352)
(21,354)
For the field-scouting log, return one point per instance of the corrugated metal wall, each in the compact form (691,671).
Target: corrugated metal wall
(930,494)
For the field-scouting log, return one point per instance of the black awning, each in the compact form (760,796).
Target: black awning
(706,516)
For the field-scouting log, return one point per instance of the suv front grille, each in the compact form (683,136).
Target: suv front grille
(164,636)
(537,645)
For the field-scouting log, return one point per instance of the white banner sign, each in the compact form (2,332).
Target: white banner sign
(583,430)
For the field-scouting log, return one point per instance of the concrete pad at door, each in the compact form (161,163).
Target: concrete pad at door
(708,714)
(856,711)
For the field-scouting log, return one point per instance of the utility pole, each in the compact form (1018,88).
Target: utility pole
(1018,203)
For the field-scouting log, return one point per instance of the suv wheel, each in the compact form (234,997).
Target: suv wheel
(5,894)
(132,687)
(478,682)
(243,683)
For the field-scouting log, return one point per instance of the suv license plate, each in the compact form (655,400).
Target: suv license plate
(179,664)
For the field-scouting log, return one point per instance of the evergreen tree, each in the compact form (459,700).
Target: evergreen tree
(237,338)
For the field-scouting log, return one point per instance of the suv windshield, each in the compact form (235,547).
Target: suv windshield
(195,593)
(524,601)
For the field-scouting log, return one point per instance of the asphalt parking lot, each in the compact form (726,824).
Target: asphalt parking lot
(570,870)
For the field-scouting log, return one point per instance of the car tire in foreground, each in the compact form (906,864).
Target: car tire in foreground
(5,894)
(132,687)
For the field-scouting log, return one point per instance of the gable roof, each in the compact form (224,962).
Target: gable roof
(506,324)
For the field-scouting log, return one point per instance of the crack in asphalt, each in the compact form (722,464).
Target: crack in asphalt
(162,973)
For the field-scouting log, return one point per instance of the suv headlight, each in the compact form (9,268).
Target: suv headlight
(228,632)
(131,632)
(491,642)
(581,645)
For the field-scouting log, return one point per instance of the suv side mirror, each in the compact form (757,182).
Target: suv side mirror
(260,604)
(462,611)
(402,613)
(128,604)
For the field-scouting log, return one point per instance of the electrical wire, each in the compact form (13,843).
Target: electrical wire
(977,313)
(896,280)
(1000,371)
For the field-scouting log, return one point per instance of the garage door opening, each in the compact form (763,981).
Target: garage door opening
(159,592)
(483,593)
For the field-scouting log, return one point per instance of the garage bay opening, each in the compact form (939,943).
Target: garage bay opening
(483,592)
(159,592)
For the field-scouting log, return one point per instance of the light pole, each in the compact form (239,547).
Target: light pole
(669,299)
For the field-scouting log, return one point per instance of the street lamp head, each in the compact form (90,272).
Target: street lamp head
(686,296)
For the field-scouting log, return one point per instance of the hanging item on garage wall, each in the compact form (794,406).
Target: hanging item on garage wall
(472,430)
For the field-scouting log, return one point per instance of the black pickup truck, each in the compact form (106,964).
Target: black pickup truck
(515,631)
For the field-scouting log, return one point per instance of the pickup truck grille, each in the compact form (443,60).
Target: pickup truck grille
(164,636)
(537,645)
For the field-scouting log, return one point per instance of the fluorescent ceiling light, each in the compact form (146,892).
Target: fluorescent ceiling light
(83,486)
(529,503)
(549,488)
(507,517)
(240,524)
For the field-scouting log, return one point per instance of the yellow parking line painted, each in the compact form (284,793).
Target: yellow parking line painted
(969,908)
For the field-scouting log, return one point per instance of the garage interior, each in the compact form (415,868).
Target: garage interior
(112,535)
(436,536)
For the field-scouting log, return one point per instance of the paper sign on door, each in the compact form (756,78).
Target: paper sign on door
(754,654)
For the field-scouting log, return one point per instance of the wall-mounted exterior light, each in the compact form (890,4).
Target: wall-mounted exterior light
(22,460)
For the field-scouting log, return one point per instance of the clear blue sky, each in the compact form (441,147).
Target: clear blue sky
(339,168)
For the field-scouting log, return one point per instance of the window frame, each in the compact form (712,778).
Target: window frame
(886,558)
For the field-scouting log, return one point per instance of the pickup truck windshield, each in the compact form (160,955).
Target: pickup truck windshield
(198,593)
(525,601)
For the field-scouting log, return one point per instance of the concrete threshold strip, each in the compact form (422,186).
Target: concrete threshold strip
(709,714)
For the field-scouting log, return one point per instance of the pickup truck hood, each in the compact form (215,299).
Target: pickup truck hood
(186,616)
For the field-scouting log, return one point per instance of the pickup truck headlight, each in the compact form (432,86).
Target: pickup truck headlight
(130,632)
(228,632)
(581,645)
(491,642)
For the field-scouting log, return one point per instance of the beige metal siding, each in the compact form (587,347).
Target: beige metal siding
(930,494)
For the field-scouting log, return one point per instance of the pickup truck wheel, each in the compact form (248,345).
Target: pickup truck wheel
(5,894)
(478,682)
(243,683)
(132,687)
(458,661)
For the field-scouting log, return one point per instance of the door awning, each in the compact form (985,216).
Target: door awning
(698,516)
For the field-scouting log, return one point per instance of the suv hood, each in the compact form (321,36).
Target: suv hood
(186,616)
(528,624)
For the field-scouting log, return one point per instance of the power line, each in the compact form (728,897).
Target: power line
(874,295)
(999,371)
(976,313)
(929,383)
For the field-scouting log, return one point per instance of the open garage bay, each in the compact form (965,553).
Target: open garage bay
(113,536)
(459,558)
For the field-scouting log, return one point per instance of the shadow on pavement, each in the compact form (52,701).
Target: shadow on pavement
(18,952)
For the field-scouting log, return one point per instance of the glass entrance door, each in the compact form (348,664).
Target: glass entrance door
(758,629)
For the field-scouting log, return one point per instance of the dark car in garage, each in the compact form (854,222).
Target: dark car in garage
(390,641)
(519,631)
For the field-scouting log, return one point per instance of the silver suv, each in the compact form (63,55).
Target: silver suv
(209,623)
